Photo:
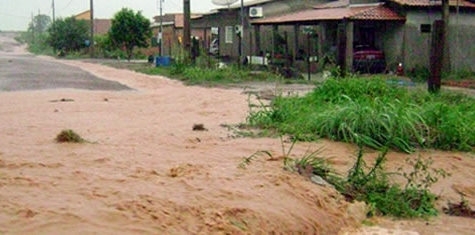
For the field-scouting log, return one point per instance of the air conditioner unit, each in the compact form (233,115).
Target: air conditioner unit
(255,12)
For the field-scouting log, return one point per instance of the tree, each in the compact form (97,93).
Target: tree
(37,29)
(39,24)
(130,30)
(68,34)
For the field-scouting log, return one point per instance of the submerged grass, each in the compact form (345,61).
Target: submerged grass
(370,183)
(375,113)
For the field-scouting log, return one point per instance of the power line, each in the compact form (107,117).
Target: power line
(67,5)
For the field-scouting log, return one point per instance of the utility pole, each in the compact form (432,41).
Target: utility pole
(54,19)
(445,19)
(54,16)
(91,42)
(32,27)
(187,27)
(439,53)
(160,34)
(241,47)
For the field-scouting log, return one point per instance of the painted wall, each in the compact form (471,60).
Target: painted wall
(461,38)
(393,44)
(461,33)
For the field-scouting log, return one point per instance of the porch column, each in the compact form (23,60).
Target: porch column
(349,45)
(321,41)
(341,46)
(295,47)
(257,35)
(275,30)
(206,41)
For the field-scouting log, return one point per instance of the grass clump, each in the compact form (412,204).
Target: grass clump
(194,75)
(204,74)
(69,136)
(371,185)
(375,113)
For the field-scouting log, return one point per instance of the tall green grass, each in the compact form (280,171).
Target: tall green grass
(201,75)
(374,113)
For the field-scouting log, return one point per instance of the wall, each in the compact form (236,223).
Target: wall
(416,43)
(393,44)
(461,38)
(461,33)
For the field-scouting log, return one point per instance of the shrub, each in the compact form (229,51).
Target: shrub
(371,184)
(69,136)
(418,73)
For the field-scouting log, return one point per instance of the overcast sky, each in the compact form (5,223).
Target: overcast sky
(16,14)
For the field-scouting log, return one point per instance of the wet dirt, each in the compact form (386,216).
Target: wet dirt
(144,170)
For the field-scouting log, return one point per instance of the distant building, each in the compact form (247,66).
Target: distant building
(173,25)
(101,26)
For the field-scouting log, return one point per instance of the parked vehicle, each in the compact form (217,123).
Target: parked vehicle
(368,59)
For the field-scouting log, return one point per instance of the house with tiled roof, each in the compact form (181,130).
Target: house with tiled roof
(400,28)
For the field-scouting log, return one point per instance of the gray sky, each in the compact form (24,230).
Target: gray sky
(16,14)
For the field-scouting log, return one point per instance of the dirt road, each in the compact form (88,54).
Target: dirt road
(145,171)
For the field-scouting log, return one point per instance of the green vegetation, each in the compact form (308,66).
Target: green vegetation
(68,35)
(369,183)
(203,75)
(421,73)
(372,185)
(374,113)
(36,35)
(460,74)
(418,73)
(69,136)
(130,30)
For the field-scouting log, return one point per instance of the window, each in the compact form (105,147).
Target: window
(229,33)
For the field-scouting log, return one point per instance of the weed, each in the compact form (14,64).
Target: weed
(461,74)
(422,176)
(248,160)
(418,73)
(461,209)
(311,164)
(371,185)
(69,136)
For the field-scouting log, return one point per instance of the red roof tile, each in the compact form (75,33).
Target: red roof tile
(374,12)
(426,3)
